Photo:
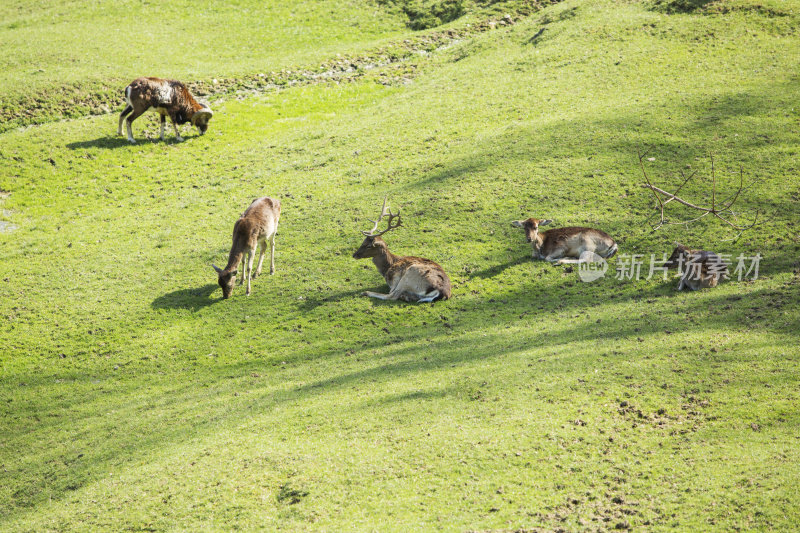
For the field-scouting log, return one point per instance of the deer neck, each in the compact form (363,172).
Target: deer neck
(234,258)
(384,261)
(537,242)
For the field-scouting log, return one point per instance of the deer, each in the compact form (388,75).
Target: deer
(257,225)
(699,269)
(565,245)
(167,97)
(411,279)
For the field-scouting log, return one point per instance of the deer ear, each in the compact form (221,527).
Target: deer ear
(517,223)
(218,269)
(545,222)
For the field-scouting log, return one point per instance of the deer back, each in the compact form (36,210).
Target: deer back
(574,241)
(259,221)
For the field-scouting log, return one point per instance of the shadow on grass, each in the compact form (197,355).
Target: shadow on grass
(113,141)
(426,350)
(193,299)
(109,141)
(498,269)
(310,304)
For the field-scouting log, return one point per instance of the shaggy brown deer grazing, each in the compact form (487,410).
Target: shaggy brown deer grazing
(257,225)
(699,269)
(411,279)
(565,245)
(167,97)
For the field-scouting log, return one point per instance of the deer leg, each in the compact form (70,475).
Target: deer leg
(250,269)
(272,254)
(401,291)
(555,257)
(163,123)
(431,296)
(125,112)
(377,295)
(133,116)
(263,250)
(565,260)
(242,270)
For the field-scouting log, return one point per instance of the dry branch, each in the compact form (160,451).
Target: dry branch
(713,210)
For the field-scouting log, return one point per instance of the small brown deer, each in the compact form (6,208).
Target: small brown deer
(257,225)
(699,269)
(565,245)
(411,279)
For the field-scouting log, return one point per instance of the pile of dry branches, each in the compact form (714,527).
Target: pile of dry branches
(722,211)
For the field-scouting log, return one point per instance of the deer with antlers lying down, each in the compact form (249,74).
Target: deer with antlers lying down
(411,279)
(565,245)
(257,225)
(699,269)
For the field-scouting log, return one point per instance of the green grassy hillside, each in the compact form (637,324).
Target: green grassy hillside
(134,398)
(47,44)
(72,59)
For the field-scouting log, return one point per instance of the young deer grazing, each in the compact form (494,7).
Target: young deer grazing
(411,279)
(167,97)
(699,269)
(257,225)
(565,245)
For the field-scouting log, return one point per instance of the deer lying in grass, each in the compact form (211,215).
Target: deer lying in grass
(699,269)
(257,225)
(565,245)
(411,279)
(167,97)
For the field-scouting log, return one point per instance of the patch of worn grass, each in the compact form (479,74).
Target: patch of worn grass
(134,398)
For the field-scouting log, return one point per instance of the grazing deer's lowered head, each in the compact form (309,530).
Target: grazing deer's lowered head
(699,269)
(565,245)
(412,279)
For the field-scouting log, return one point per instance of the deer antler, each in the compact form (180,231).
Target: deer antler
(384,212)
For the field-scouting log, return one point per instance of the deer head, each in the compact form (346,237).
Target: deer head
(531,227)
(373,244)
(680,255)
(226,281)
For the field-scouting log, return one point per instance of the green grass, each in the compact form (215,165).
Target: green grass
(116,41)
(71,59)
(134,398)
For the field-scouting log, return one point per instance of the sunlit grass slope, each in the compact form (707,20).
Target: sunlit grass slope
(134,398)
(49,44)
